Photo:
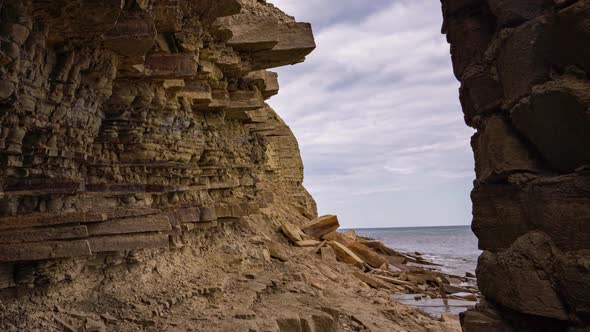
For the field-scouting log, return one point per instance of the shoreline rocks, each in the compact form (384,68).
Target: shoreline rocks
(381,267)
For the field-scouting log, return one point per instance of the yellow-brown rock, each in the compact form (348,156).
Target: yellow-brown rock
(368,255)
(292,232)
(126,125)
(321,226)
(346,255)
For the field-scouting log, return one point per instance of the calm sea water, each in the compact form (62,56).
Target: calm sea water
(454,247)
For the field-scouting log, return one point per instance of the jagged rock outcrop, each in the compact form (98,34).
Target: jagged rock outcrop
(126,125)
(525,86)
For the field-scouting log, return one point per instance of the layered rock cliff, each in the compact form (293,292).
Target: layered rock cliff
(525,86)
(126,124)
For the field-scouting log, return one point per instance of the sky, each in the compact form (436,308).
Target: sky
(376,112)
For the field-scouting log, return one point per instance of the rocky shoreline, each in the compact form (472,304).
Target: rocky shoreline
(409,277)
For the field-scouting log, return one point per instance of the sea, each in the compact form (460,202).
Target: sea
(454,248)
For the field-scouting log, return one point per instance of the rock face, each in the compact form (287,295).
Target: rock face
(127,125)
(524,71)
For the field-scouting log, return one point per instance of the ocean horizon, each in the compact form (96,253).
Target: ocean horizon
(397,227)
(453,247)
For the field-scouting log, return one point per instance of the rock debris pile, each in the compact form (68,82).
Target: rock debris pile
(380,267)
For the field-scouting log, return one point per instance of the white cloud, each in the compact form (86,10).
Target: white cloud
(375,108)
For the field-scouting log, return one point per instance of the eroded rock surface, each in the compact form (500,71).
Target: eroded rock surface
(127,124)
(523,67)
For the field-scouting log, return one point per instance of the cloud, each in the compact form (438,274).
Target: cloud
(375,109)
(329,12)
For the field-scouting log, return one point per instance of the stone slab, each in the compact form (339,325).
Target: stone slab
(321,226)
(131,225)
(43,234)
(43,250)
(245,32)
(346,255)
(47,219)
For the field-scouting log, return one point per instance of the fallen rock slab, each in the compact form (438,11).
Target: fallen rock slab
(322,226)
(346,255)
(372,258)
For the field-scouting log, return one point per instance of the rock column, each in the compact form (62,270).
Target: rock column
(525,87)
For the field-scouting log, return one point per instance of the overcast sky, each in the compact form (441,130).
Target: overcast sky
(375,109)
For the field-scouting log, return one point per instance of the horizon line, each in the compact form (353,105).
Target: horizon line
(388,227)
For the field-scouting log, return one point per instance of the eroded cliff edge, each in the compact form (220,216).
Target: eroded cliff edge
(138,121)
(523,67)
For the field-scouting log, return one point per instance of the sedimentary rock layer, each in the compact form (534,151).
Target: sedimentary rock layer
(125,125)
(525,86)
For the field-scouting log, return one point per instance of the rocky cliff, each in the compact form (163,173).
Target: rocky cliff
(126,124)
(524,70)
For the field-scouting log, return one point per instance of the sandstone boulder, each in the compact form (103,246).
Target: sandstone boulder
(321,226)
